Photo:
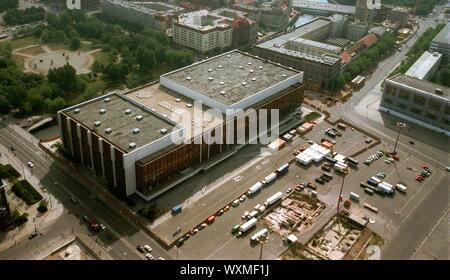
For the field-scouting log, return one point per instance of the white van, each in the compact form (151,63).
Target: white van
(401,188)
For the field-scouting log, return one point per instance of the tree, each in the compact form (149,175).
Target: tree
(59,36)
(43,206)
(145,58)
(116,72)
(75,43)
(65,77)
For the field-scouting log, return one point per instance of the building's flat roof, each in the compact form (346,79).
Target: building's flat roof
(231,77)
(331,48)
(203,20)
(443,37)
(278,44)
(423,65)
(146,7)
(122,124)
(425,86)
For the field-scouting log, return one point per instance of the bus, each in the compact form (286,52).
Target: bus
(352,161)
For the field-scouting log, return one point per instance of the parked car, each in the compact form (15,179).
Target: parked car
(30,164)
(242,198)
(147,248)
(202,226)
(244,216)
(226,208)
(210,219)
(220,212)
(140,248)
(289,190)
(73,200)
(149,256)
(86,219)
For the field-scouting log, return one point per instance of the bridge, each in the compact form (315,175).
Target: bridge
(320,8)
(39,124)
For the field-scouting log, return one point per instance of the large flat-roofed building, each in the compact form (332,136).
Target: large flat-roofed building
(417,100)
(157,15)
(441,43)
(301,50)
(426,66)
(129,138)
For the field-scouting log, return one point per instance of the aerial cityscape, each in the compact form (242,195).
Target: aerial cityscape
(224,130)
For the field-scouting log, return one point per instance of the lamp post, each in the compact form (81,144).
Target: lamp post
(262,240)
(346,171)
(399,125)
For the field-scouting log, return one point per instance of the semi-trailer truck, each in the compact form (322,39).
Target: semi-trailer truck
(247,225)
(269,178)
(255,188)
(283,169)
(273,199)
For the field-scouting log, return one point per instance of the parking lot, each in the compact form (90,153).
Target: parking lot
(216,241)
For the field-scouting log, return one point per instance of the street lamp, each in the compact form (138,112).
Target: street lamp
(400,125)
(262,240)
(177,251)
(346,172)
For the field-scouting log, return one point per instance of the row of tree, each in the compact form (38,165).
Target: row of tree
(366,61)
(420,46)
(15,16)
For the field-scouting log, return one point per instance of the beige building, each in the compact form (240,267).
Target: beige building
(203,31)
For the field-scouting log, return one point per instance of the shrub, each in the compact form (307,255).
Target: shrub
(43,206)
(24,190)
(7,171)
(19,219)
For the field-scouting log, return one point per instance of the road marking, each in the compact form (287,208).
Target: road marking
(220,248)
(430,233)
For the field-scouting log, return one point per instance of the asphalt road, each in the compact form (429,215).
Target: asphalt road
(120,238)
(415,227)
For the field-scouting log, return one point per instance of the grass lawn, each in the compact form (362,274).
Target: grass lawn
(22,42)
(102,57)
(33,50)
(19,60)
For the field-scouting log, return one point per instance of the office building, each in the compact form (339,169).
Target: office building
(426,66)
(441,43)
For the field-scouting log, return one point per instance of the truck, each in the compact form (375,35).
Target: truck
(255,188)
(269,178)
(247,225)
(282,169)
(341,167)
(386,188)
(401,188)
(177,209)
(354,196)
(273,199)
(352,161)
(373,181)
(259,234)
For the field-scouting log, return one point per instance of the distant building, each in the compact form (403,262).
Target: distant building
(206,31)
(400,15)
(426,66)
(441,43)
(356,30)
(5,213)
(272,14)
(367,10)
(419,101)
(157,15)
(301,50)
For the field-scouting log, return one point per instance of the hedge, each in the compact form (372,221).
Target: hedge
(7,171)
(24,190)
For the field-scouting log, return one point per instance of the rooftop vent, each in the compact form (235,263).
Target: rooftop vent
(97,123)
(438,91)
(253,79)
(244,83)
(189,105)
(228,55)
(102,111)
(136,130)
(210,78)
(165,115)
(132,145)
(128,111)
(163,131)
(260,67)
(251,70)
(139,117)
(76,111)
(210,70)
(107,99)
(249,63)
(221,83)
(284,75)
(220,66)
(108,130)
(223,92)
(240,66)
(153,109)
(188,78)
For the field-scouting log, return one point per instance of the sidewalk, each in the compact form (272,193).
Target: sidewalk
(35,219)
